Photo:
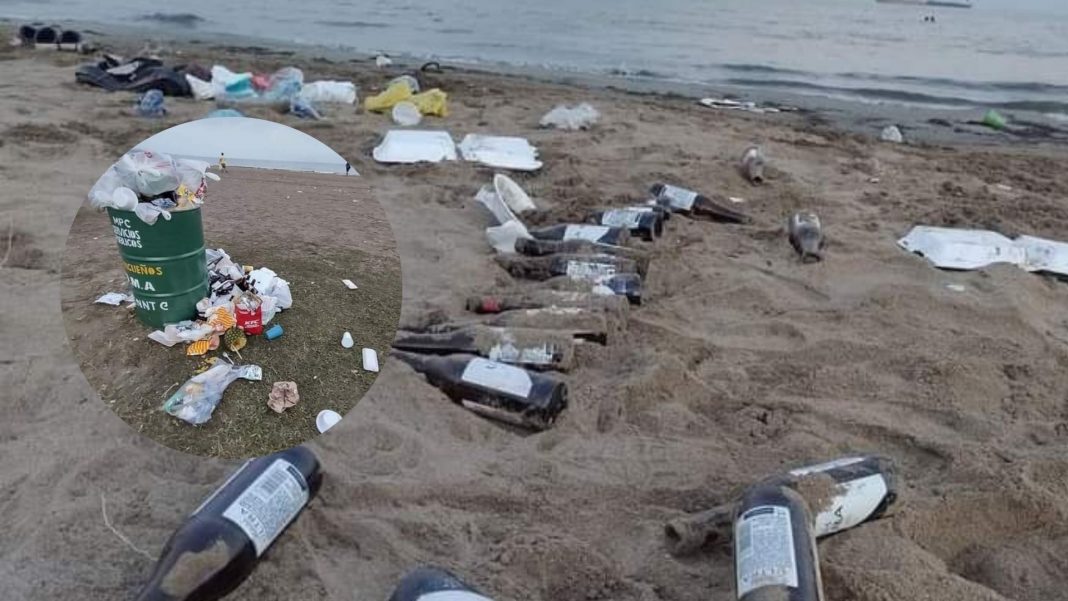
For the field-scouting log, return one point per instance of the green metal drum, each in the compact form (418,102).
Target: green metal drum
(164,262)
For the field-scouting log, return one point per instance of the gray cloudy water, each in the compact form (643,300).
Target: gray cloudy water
(1007,54)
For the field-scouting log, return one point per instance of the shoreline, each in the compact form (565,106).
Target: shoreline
(925,125)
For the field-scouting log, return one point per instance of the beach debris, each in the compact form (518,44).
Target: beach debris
(39,36)
(601,234)
(223,539)
(492,389)
(415,146)
(150,175)
(502,152)
(862,488)
(503,200)
(736,199)
(349,284)
(326,419)
(774,548)
(114,299)
(395,92)
(431,582)
(138,75)
(278,88)
(235,340)
(201,89)
(735,105)
(370,360)
(224,113)
(752,164)
(964,249)
(406,113)
(411,81)
(644,222)
(346,340)
(891,133)
(329,91)
(503,238)
(283,395)
(196,400)
(200,347)
(806,236)
(956,287)
(149,213)
(432,102)
(383,61)
(274,332)
(184,331)
(248,313)
(302,107)
(150,104)
(695,205)
(994,120)
(531,348)
(581,116)
(431,67)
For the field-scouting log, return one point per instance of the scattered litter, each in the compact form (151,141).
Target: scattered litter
(994,120)
(753,164)
(202,90)
(346,340)
(973,249)
(274,332)
(383,61)
(956,287)
(407,114)
(489,198)
(500,151)
(150,175)
(339,92)
(149,213)
(114,299)
(736,199)
(503,237)
(432,102)
(370,360)
(283,395)
(279,88)
(395,92)
(415,146)
(224,113)
(326,419)
(200,347)
(196,400)
(512,194)
(413,83)
(874,180)
(1003,187)
(734,105)
(302,108)
(185,331)
(581,116)
(891,133)
(235,340)
(138,75)
(150,104)
(431,67)
(349,284)
(248,313)
(806,236)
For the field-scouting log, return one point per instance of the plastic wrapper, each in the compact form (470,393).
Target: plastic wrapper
(396,92)
(150,104)
(280,88)
(202,90)
(185,331)
(432,102)
(149,213)
(581,116)
(148,173)
(196,400)
(342,92)
(302,108)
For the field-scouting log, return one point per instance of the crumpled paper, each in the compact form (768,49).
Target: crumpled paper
(283,396)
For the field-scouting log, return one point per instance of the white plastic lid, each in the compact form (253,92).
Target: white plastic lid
(327,419)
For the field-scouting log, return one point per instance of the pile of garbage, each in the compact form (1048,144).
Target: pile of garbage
(242,301)
(152,185)
(406,103)
(139,74)
(406,146)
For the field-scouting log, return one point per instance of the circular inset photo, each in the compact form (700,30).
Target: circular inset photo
(228,286)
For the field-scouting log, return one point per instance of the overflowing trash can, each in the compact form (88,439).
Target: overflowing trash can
(165,264)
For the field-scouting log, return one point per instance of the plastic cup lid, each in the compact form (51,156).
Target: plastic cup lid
(326,419)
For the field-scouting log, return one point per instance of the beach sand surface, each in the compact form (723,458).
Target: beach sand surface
(741,363)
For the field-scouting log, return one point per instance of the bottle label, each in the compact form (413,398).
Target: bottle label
(583,270)
(216,492)
(554,310)
(498,376)
(764,548)
(531,355)
(854,503)
(593,233)
(680,198)
(269,504)
(621,218)
(452,596)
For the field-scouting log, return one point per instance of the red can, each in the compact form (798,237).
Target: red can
(249,320)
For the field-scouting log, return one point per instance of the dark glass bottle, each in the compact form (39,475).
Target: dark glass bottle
(775,553)
(220,543)
(434,584)
(527,347)
(542,299)
(654,206)
(586,268)
(646,224)
(623,284)
(688,202)
(492,389)
(583,231)
(541,248)
(806,236)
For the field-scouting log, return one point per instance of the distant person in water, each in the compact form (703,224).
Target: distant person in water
(347,167)
(222,161)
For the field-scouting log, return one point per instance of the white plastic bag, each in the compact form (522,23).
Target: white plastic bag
(149,213)
(502,237)
(329,91)
(185,331)
(149,174)
(202,90)
(197,399)
(581,116)
(282,294)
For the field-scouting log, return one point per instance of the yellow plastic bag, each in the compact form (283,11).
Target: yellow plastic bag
(431,102)
(383,102)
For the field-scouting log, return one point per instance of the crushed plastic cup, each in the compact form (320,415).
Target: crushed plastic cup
(407,114)
(346,340)
(326,419)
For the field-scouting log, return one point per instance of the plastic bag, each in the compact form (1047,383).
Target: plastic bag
(149,213)
(502,237)
(284,84)
(302,108)
(150,104)
(202,90)
(581,116)
(343,92)
(147,173)
(412,82)
(396,92)
(184,331)
(197,399)
(431,102)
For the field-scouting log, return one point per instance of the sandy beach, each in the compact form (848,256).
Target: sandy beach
(742,362)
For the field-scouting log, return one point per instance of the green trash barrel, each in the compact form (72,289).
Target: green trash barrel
(164,262)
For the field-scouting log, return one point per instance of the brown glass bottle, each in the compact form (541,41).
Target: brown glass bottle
(221,542)
(541,248)
(492,389)
(432,583)
(646,224)
(526,347)
(541,298)
(628,285)
(583,231)
(590,325)
(688,202)
(587,268)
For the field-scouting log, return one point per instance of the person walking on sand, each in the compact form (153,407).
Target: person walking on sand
(222,161)
(348,167)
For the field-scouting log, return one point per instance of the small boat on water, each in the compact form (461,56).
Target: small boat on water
(950,3)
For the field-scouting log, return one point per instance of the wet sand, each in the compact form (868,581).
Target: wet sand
(741,363)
